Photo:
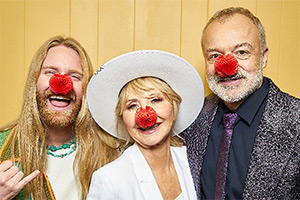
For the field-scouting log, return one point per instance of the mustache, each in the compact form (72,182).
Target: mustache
(71,95)
(239,74)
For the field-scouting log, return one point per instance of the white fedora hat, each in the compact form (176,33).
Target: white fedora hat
(105,85)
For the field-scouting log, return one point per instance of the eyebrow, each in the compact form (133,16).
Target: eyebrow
(235,47)
(55,68)
(150,96)
(211,50)
(48,67)
(243,44)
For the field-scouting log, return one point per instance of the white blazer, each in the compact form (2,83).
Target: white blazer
(130,177)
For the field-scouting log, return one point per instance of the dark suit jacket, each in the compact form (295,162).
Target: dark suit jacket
(274,170)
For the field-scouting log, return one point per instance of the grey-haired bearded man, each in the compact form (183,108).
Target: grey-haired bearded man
(262,158)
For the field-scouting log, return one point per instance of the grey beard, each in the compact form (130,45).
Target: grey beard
(252,84)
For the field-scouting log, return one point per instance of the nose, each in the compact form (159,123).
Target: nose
(143,103)
(61,84)
(226,65)
(145,117)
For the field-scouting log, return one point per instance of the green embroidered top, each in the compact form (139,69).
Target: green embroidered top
(5,154)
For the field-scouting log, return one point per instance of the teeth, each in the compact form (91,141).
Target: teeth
(58,98)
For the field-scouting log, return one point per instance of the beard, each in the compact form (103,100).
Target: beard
(250,83)
(59,119)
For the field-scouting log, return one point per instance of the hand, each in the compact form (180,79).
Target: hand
(11,182)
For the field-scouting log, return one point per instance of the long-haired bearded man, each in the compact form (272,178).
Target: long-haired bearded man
(53,141)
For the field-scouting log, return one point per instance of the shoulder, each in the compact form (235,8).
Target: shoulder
(179,153)
(282,97)
(179,150)
(210,102)
(6,144)
(283,104)
(115,180)
(119,167)
(209,108)
(3,136)
(282,116)
(202,123)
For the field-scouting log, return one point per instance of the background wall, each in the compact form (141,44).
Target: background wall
(108,28)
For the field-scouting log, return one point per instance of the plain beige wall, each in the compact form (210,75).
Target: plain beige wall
(108,28)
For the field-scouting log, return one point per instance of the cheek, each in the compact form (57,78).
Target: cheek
(77,87)
(210,69)
(165,112)
(251,65)
(42,84)
(128,119)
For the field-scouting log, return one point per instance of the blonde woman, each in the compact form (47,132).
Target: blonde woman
(145,97)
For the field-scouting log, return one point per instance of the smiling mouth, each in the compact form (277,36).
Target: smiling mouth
(228,79)
(232,78)
(60,101)
(149,128)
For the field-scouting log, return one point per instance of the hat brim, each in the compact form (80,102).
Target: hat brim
(105,85)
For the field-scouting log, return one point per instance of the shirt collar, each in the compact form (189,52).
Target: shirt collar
(248,109)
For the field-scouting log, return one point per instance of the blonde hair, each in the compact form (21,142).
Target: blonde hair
(224,14)
(138,85)
(29,140)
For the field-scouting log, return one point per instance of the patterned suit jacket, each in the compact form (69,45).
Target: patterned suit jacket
(274,169)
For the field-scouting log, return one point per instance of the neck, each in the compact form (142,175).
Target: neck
(158,157)
(57,136)
(233,106)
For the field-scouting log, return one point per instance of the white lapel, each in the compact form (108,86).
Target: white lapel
(144,175)
(183,172)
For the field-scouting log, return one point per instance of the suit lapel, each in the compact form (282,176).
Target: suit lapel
(196,138)
(144,175)
(271,148)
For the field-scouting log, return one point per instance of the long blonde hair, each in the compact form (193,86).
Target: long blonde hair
(29,140)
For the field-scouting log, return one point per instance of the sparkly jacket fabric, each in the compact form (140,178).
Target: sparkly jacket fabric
(274,169)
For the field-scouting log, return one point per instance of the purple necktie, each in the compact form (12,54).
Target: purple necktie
(229,121)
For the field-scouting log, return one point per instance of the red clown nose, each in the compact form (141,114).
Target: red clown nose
(61,84)
(226,65)
(145,118)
